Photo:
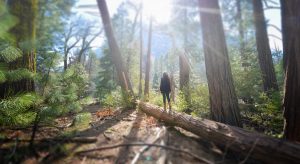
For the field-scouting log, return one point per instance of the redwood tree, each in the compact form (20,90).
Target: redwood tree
(290,14)
(239,19)
(148,62)
(263,48)
(141,52)
(184,67)
(24,34)
(114,48)
(223,100)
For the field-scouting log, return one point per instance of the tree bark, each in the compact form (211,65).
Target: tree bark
(263,48)
(114,48)
(184,70)
(223,100)
(259,146)
(172,87)
(24,34)
(141,52)
(290,14)
(148,62)
(184,66)
(239,19)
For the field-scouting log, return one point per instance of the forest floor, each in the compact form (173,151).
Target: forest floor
(122,137)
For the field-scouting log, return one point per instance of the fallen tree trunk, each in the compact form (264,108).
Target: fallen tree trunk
(258,146)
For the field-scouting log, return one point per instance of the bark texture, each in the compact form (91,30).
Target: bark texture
(223,100)
(258,146)
(114,48)
(24,34)
(184,70)
(263,48)
(184,65)
(148,62)
(291,57)
(141,52)
(239,19)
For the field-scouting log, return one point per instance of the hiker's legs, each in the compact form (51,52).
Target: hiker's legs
(164,99)
(169,102)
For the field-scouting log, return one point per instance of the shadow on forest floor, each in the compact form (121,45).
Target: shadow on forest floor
(52,151)
(123,152)
(100,126)
(96,129)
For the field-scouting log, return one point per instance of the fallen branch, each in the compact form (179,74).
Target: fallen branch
(267,149)
(143,149)
(143,144)
(163,157)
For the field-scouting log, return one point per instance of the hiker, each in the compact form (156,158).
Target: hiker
(165,89)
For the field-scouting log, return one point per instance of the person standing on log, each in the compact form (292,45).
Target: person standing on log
(165,89)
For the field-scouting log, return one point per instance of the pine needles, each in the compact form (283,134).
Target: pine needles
(15,110)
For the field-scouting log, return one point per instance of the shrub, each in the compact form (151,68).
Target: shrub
(156,98)
(65,91)
(118,98)
(267,116)
(199,105)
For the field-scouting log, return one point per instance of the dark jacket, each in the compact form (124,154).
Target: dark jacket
(165,86)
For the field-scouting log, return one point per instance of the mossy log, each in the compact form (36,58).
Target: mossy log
(248,143)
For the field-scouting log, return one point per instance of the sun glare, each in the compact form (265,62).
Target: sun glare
(160,10)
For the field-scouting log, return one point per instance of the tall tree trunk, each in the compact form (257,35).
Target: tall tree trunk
(239,19)
(114,48)
(24,34)
(263,48)
(290,14)
(223,100)
(184,68)
(65,61)
(148,63)
(172,87)
(141,52)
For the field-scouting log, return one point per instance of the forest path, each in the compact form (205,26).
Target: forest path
(115,127)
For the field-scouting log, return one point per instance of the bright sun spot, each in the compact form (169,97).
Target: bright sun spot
(160,10)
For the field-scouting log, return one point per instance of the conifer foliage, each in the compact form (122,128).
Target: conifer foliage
(15,109)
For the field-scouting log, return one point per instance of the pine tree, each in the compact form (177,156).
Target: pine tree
(106,77)
(13,107)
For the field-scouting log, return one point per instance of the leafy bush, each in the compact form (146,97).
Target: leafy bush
(199,105)
(247,80)
(111,100)
(200,101)
(270,113)
(156,98)
(82,120)
(181,102)
(65,91)
(117,98)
